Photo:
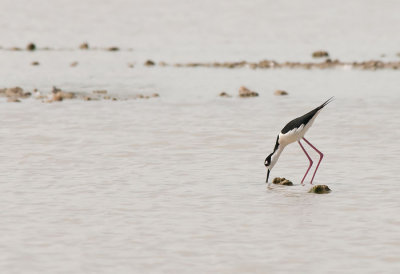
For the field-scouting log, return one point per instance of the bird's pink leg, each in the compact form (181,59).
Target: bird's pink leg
(309,158)
(321,155)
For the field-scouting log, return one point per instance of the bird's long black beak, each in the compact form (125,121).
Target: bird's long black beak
(267,176)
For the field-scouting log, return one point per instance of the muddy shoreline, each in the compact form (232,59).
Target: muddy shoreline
(324,61)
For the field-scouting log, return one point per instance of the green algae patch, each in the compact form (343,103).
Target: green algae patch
(320,189)
(282,181)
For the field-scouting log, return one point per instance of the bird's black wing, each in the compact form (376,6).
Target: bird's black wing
(303,120)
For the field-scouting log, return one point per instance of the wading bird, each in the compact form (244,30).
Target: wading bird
(292,132)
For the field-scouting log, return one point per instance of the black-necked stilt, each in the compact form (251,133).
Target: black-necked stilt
(292,132)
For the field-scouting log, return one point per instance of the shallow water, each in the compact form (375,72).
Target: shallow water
(177,183)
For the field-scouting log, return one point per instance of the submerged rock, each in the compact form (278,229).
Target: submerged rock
(320,53)
(320,189)
(245,92)
(280,92)
(282,181)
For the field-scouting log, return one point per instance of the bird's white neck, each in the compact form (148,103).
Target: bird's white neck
(276,155)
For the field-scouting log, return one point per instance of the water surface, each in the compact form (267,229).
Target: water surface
(177,183)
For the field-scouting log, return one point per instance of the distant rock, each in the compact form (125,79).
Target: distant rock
(100,91)
(35,63)
(13,100)
(59,95)
(155,95)
(282,181)
(320,189)
(67,95)
(55,89)
(280,92)
(84,46)
(113,49)
(224,94)
(267,64)
(31,47)
(245,92)
(320,54)
(15,92)
(149,63)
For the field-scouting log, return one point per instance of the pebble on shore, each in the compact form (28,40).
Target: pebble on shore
(245,92)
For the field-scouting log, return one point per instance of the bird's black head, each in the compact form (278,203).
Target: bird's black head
(267,161)
(267,164)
